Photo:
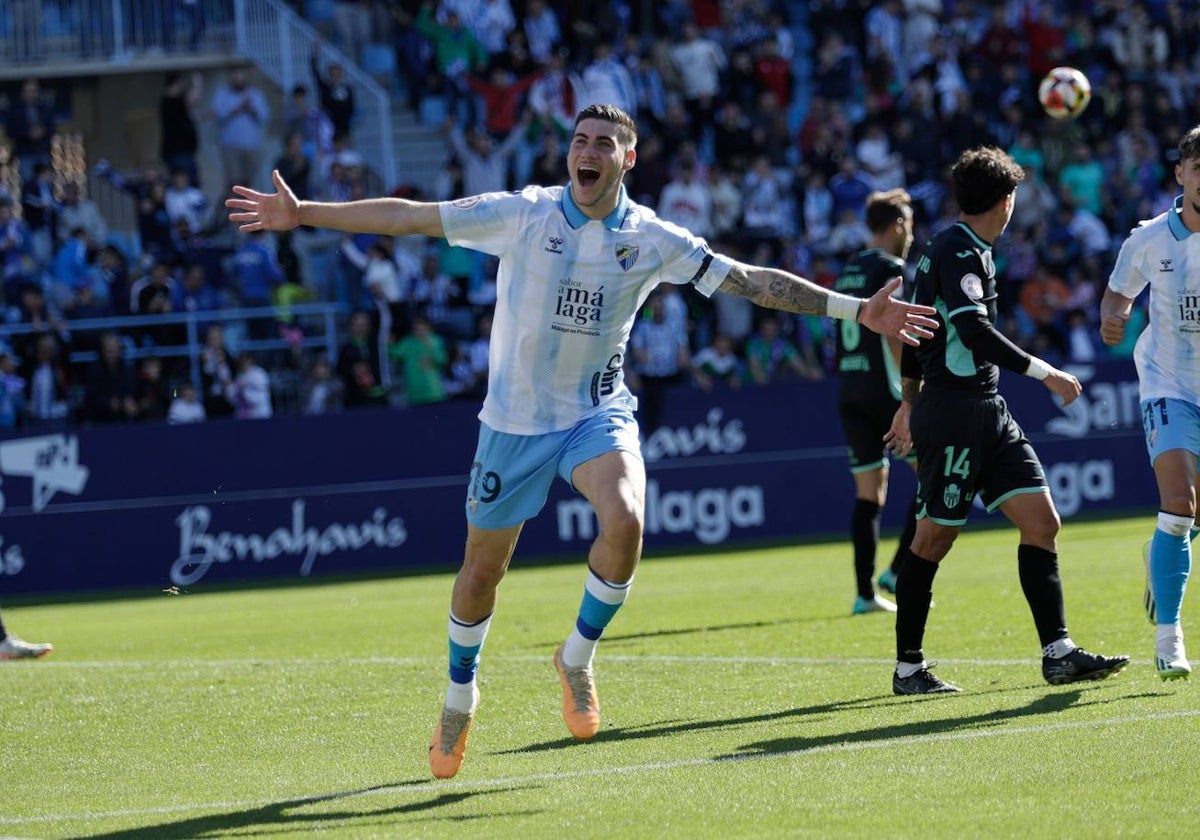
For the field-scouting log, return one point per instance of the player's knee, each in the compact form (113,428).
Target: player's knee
(480,578)
(622,528)
(933,543)
(1041,530)
(1180,501)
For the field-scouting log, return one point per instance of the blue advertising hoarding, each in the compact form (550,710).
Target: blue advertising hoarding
(383,490)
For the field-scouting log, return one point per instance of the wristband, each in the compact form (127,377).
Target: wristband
(843,307)
(1037,368)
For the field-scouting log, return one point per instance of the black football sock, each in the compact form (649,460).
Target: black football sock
(906,537)
(864,534)
(914,593)
(1038,569)
(3,632)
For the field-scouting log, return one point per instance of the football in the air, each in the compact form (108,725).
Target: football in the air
(1064,93)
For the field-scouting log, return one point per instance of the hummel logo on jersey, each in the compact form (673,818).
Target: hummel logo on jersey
(554,245)
(1165,265)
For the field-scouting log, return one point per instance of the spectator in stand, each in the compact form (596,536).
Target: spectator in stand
(155,292)
(16,261)
(1043,299)
(295,166)
(70,271)
(185,202)
(185,407)
(660,360)
(1139,45)
(726,202)
(196,294)
(765,210)
(849,235)
(109,393)
(717,364)
(437,296)
(549,165)
(503,96)
(31,126)
(250,390)
(492,23)
(12,392)
(816,210)
(352,21)
(772,358)
(554,97)
(423,356)
(255,275)
(835,69)
(177,126)
(150,391)
(456,54)
(336,95)
(216,372)
(687,202)
(542,31)
(1038,201)
(485,164)
(300,116)
(76,211)
(882,167)
(605,79)
(1083,181)
(358,365)
(649,89)
(699,62)
(39,212)
(241,112)
(773,72)
(322,393)
(848,188)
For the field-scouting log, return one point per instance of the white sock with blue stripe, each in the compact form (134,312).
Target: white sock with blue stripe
(466,641)
(601,600)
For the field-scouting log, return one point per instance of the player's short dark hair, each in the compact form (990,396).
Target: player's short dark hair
(1189,144)
(626,127)
(983,177)
(886,208)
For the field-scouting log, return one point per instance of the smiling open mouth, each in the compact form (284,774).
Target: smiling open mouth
(587,175)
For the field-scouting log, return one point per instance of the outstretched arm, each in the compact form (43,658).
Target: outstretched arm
(881,313)
(281,210)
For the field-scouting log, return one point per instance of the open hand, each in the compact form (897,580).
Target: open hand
(886,315)
(279,210)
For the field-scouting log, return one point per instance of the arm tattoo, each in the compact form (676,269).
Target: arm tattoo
(909,388)
(775,289)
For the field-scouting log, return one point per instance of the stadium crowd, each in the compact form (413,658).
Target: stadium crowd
(763,127)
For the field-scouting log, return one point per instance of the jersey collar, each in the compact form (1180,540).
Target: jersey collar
(985,245)
(1175,221)
(576,218)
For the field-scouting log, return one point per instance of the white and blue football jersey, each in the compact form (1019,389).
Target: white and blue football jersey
(1163,253)
(568,292)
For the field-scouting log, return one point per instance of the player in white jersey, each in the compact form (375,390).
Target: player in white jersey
(576,265)
(1164,253)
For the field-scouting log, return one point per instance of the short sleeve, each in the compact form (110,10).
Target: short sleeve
(961,283)
(688,259)
(1127,277)
(489,222)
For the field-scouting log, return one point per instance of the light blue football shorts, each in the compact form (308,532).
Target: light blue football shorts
(1170,424)
(511,474)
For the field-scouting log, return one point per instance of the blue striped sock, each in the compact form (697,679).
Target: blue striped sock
(466,641)
(601,600)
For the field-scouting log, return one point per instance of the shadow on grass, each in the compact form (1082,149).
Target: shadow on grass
(285,816)
(1047,705)
(1044,705)
(706,628)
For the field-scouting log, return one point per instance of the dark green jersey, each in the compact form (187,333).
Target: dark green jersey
(866,369)
(956,276)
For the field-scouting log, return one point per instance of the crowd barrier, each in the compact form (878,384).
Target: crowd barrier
(163,506)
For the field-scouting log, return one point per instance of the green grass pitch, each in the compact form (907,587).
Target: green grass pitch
(740,699)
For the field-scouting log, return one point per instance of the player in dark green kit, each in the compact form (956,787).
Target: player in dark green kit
(968,443)
(869,393)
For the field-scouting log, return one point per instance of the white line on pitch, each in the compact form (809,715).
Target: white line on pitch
(501,658)
(518,781)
